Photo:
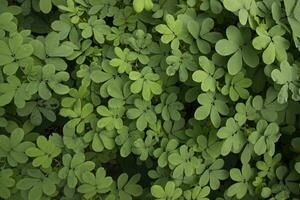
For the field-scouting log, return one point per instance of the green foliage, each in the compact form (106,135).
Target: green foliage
(211,105)
(38,185)
(149,99)
(183,162)
(146,82)
(127,188)
(272,42)
(44,153)
(209,75)
(6,182)
(143,112)
(74,167)
(49,79)
(14,54)
(213,174)
(238,46)
(246,10)
(94,184)
(235,86)
(124,60)
(171,31)
(241,177)
(287,76)
(265,137)
(197,193)
(140,5)
(13,149)
(169,108)
(168,192)
(181,62)
(233,136)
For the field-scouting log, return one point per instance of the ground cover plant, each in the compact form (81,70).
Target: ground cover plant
(149,99)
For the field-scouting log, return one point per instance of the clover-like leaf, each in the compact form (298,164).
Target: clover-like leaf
(124,60)
(143,113)
(79,114)
(197,193)
(209,147)
(237,46)
(235,86)
(14,54)
(272,42)
(36,110)
(126,140)
(265,137)
(208,76)
(13,89)
(165,149)
(6,183)
(49,80)
(171,31)
(13,148)
(168,192)
(233,136)
(94,27)
(181,62)
(213,174)
(140,5)
(202,32)
(211,105)
(127,188)
(287,77)
(94,184)
(245,9)
(146,82)
(144,148)
(111,117)
(44,153)
(54,48)
(214,5)
(101,139)
(183,162)
(38,184)
(143,45)
(169,108)
(6,22)
(241,177)
(74,167)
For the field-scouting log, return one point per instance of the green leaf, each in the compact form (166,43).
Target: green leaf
(235,63)
(202,112)
(138,5)
(243,16)
(297,167)
(226,47)
(269,54)
(157,191)
(45,5)
(193,28)
(43,153)
(232,5)
(53,46)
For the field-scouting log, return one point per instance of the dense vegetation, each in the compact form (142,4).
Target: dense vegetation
(149,99)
